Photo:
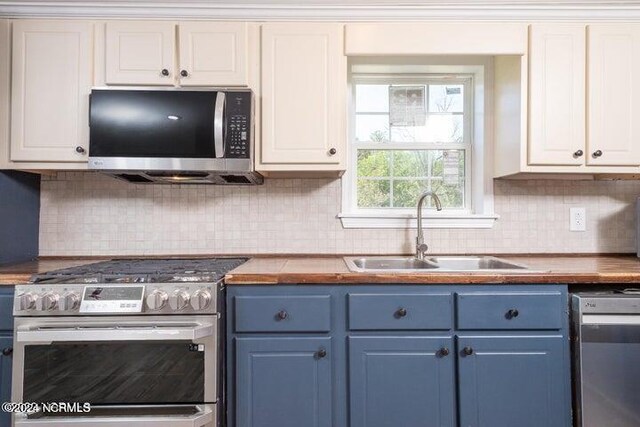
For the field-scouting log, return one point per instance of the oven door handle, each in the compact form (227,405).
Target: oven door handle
(205,417)
(115,333)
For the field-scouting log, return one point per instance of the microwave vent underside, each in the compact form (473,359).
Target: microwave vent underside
(196,177)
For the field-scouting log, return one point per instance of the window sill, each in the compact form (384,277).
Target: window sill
(399,220)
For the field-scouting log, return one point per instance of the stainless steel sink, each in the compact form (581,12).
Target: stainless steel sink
(388,263)
(436,264)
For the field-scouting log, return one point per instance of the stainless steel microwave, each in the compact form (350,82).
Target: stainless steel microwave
(186,136)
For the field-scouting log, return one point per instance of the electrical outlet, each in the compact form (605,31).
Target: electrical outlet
(578,219)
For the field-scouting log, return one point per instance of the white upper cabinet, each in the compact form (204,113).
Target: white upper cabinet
(140,53)
(557,109)
(169,53)
(213,53)
(304,78)
(52,72)
(614,95)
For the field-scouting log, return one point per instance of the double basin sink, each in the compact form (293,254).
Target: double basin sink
(435,264)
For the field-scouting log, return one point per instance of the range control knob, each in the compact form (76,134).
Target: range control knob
(178,300)
(69,301)
(157,299)
(200,299)
(28,301)
(47,302)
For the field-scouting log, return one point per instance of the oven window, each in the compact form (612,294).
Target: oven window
(115,373)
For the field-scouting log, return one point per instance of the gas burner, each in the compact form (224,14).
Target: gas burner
(123,271)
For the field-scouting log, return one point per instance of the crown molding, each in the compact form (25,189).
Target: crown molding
(345,10)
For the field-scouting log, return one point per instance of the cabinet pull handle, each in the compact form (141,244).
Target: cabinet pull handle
(597,153)
(512,313)
(467,351)
(578,153)
(282,315)
(164,72)
(322,353)
(332,151)
(80,150)
(184,73)
(402,312)
(7,351)
(444,352)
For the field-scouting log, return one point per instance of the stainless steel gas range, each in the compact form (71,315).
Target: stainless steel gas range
(124,342)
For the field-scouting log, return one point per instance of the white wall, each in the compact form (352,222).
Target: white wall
(91,214)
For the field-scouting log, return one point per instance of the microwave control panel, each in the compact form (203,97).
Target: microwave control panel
(239,126)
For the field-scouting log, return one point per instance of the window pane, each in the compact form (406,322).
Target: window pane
(372,127)
(407,192)
(373,193)
(411,163)
(446,98)
(437,129)
(451,196)
(372,98)
(374,163)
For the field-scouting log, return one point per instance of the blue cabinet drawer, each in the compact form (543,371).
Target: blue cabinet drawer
(510,310)
(282,313)
(6,309)
(400,311)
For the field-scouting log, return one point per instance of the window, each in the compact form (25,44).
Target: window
(412,135)
(413,132)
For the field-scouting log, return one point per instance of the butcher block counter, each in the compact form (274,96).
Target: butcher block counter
(295,269)
(595,269)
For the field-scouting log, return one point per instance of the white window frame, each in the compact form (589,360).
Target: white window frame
(479,207)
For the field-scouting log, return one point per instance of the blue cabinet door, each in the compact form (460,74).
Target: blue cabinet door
(283,382)
(402,381)
(507,381)
(6,342)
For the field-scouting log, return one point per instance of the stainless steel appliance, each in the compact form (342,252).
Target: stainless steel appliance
(138,340)
(185,136)
(607,358)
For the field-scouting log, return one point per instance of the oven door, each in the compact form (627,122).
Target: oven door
(118,365)
(609,381)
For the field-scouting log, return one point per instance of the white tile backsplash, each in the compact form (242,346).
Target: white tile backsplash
(92,214)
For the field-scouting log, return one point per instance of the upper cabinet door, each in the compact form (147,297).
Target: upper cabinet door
(304,78)
(213,53)
(614,95)
(141,53)
(52,73)
(557,67)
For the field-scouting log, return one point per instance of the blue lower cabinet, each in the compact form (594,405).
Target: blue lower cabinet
(6,344)
(507,381)
(402,381)
(283,382)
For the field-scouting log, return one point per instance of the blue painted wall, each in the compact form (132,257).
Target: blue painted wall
(19,216)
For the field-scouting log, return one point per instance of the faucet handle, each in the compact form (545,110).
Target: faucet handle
(421,248)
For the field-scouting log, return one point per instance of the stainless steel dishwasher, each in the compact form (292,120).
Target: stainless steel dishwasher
(606,331)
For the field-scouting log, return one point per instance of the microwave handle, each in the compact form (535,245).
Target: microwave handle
(218,124)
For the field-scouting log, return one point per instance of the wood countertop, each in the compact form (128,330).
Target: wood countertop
(271,270)
(590,269)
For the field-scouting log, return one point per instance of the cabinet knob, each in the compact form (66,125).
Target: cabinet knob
(401,312)
(164,72)
(80,150)
(332,151)
(597,153)
(282,315)
(512,313)
(184,73)
(578,153)
(467,351)
(321,353)
(444,351)
(7,351)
